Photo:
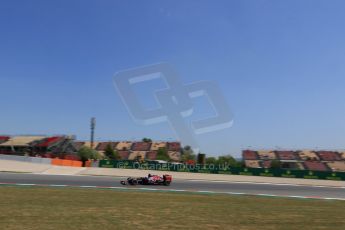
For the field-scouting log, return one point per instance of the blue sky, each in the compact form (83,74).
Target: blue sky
(280,65)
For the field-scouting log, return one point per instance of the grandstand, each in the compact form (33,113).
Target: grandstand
(175,156)
(124,146)
(250,155)
(123,155)
(266,155)
(252,164)
(342,154)
(136,150)
(4,139)
(329,156)
(337,165)
(78,145)
(19,145)
(316,166)
(298,159)
(287,155)
(103,145)
(56,146)
(137,155)
(141,146)
(158,145)
(66,147)
(151,155)
(307,155)
(174,146)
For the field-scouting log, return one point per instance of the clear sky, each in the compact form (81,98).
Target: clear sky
(280,65)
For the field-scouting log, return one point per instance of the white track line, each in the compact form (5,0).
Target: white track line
(209,181)
(264,183)
(175,190)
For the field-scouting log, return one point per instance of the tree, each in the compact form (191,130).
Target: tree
(201,158)
(211,160)
(162,154)
(228,160)
(187,154)
(86,153)
(110,153)
(147,140)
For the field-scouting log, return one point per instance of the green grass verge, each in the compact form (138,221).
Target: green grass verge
(72,208)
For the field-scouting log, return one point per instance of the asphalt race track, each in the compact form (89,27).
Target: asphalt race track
(185,185)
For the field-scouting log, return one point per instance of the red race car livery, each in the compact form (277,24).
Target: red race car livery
(149,180)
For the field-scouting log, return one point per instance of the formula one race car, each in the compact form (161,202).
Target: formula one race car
(149,180)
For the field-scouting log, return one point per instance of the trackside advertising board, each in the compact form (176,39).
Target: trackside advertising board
(219,169)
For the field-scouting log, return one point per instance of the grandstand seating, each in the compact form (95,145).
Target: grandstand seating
(157,145)
(22,141)
(252,164)
(175,156)
(19,145)
(174,146)
(306,155)
(65,147)
(328,156)
(337,166)
(300,166)
(291,165)
(6,150)
(124,145)
(315,166)
(286,155)
(88,144)
(266,164)
(342,154)
(250,155)
(266,155)
(123,155)
(302,160)
(103,145)
(78,145)
(137,155)
(4,139)
(151,155)
(45,143)
(141,146)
